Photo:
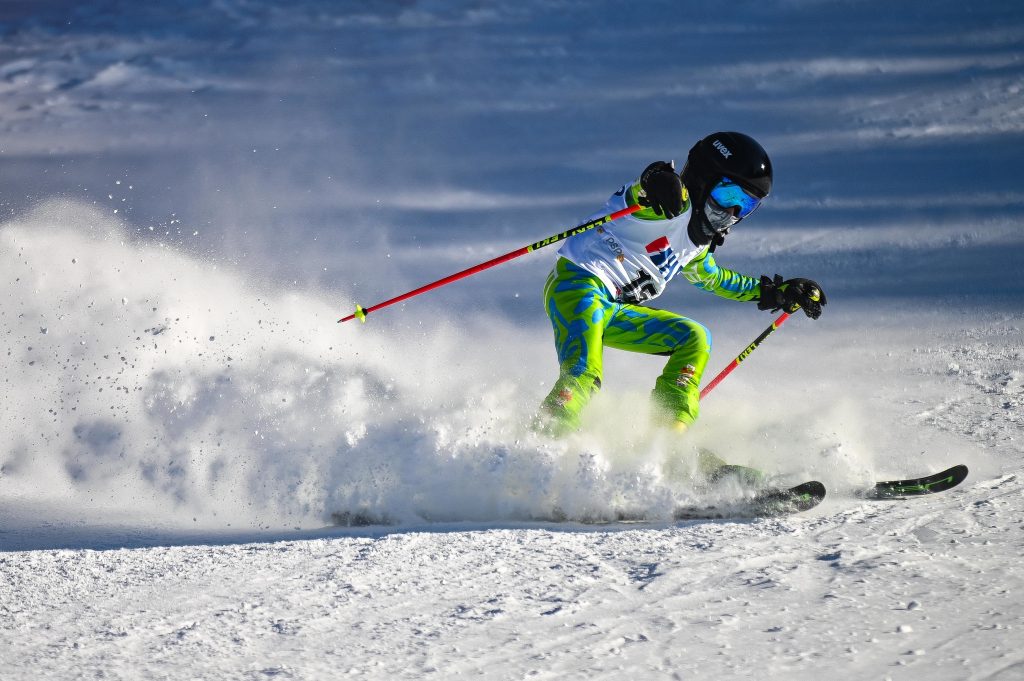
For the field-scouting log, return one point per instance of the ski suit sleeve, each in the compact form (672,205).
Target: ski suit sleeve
(704,273)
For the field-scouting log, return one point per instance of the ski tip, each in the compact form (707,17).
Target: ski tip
(807,495)
(928,484)
(811,487)
(958,474)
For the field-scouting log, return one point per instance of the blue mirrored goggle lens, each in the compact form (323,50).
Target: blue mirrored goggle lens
(728,194)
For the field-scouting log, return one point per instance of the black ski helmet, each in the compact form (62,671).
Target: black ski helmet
(726,154)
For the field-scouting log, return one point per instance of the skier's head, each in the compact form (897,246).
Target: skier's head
(727,175)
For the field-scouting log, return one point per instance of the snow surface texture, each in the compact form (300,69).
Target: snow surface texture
(194,192)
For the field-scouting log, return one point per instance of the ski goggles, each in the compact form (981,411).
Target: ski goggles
(728,194)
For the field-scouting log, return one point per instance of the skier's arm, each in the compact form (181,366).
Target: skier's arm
(704,273)
(769,294)
(658,190)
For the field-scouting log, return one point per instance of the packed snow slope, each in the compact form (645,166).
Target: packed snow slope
(194,192)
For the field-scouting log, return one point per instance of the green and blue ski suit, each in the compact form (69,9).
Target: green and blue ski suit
(594,298)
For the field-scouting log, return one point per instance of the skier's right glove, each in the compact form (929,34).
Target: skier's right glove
(663,190)
(791,295)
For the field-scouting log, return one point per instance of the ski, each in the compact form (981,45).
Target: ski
(929,484)
(769,503)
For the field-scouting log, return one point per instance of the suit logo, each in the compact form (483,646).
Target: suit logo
(664,258)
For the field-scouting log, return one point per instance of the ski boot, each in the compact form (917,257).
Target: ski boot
(717,472)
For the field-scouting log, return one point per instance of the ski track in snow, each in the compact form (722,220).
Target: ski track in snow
(194,192)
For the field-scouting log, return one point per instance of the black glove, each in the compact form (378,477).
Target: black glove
(663,189)
(791,295)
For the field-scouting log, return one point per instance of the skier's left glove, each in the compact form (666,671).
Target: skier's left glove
(791,295)
(663,190)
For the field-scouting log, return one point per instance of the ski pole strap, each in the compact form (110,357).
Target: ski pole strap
(361,312)
(743,355)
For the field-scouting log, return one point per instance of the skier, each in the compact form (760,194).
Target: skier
(595,293)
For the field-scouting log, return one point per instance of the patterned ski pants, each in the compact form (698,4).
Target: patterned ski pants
(586,318)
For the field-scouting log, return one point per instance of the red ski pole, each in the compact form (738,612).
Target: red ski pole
(743,355)
(361,312)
